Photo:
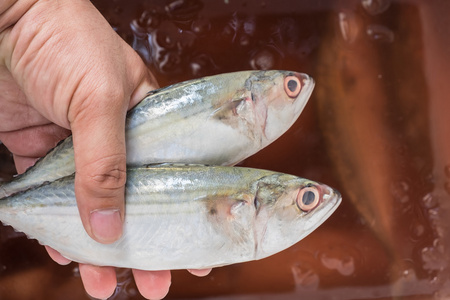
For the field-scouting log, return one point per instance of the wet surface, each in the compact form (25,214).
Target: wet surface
(374,129)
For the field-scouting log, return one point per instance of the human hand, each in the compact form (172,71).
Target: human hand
(62,69)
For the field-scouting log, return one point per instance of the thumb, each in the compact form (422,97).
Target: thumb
(100,161)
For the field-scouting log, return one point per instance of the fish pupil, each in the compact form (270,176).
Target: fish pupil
(308,198)
(292,85)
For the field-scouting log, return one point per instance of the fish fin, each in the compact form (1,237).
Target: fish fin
(230,216)
(228,110)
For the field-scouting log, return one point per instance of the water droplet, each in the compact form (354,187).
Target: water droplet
(196,68)
(380,33)
(169,63)
(137,29)
(228,33)
(305,277)
(437,244)
(173,5)
(348,26)
(200,26)
(429,201)
(409,275)
(76,272)
(440,230)
(166,35)
(123,274)
(169,44)
(249,26)
(202,65)
(148,20)
(262,60)
(183,10)
(433,213)
(186,39)
(231,28)
(244,40)
(434,257)
(345,265)
(399,191)
(417,230)
(375,7)
(126,287)
(404,269)
(140,41)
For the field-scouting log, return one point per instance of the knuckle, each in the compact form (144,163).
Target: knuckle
(108,92)
(106,177)
(113,178)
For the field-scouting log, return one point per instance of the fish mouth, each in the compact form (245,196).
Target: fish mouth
(331,196)
(308,84)
(331,199)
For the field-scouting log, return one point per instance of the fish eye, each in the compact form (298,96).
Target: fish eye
(292,86)
(308,198)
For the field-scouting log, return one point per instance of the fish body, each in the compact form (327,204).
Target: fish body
(180,217)
(216,120)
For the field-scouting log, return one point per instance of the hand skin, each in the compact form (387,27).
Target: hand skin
(61,74)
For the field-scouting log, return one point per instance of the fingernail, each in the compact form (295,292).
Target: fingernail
(106,225)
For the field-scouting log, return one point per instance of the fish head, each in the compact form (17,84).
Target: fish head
(279,98)
(259,106)
(290,208)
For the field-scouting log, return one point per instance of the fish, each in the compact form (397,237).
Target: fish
(215,120)
(180,216)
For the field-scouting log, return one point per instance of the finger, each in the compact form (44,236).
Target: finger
(33,141)
(98,128)
(100,167)
(99,282)
(22,163)
(97,121)
(199,272)
(57,257)
(11,10)
(152,284)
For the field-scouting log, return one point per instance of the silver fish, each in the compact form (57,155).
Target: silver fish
(180,217)
(217,120)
